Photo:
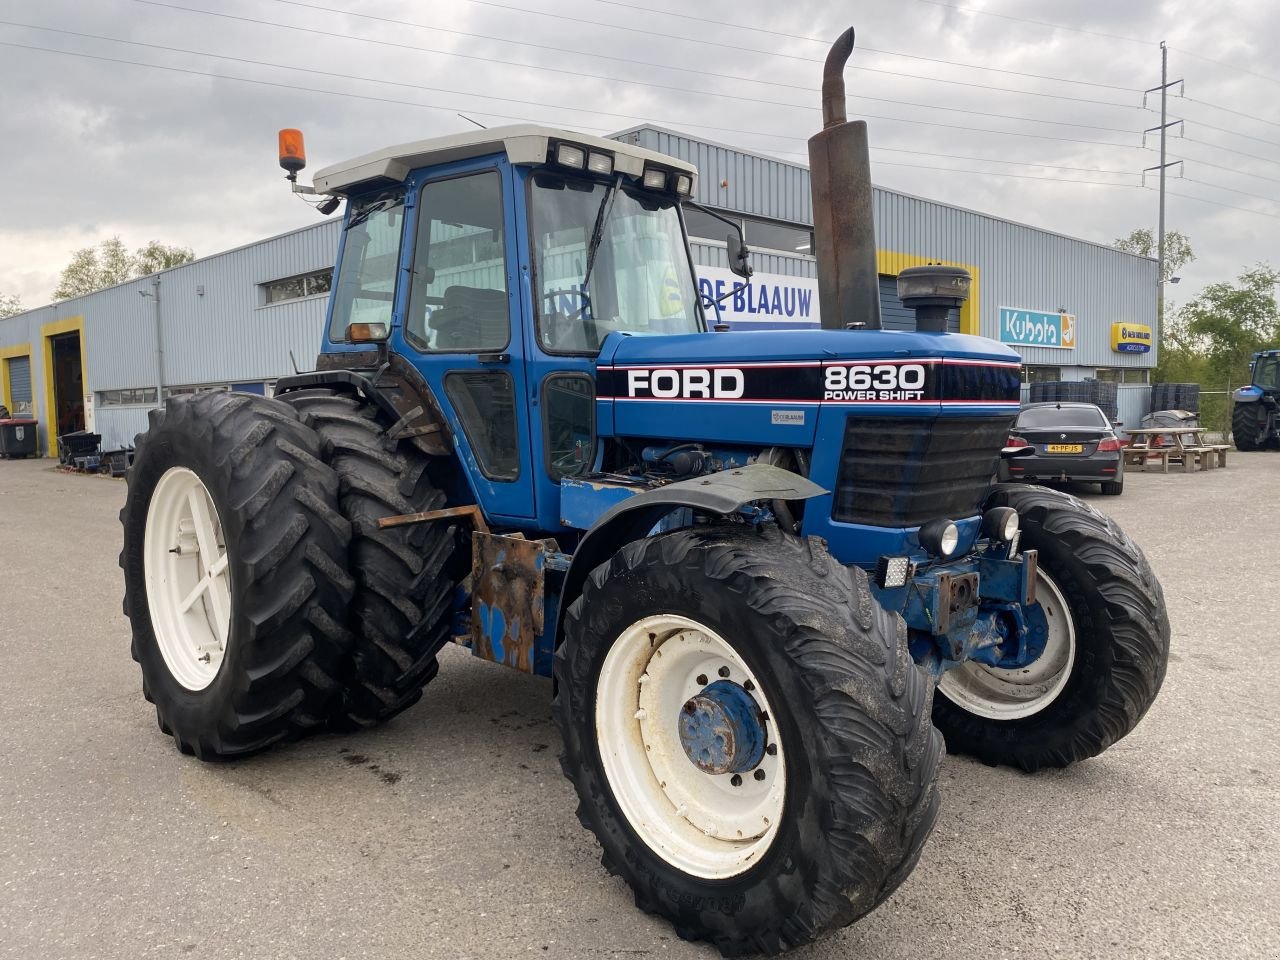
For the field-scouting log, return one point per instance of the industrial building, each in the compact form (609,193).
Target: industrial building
(1073,309)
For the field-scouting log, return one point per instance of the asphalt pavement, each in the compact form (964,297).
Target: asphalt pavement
(450,832)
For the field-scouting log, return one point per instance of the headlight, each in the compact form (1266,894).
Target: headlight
(567,155)
(940,537)
(600,163)
(1000,523)
(655,179)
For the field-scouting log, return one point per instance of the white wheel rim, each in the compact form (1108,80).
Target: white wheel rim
(698,822)
(188,584)
(999,694)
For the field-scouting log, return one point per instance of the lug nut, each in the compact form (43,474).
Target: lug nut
(689,707)
(759,774)
(724,671)
(771,749)
(702,679)
(748,686)
(735,780)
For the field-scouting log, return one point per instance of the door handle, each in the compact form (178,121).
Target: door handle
(491,358)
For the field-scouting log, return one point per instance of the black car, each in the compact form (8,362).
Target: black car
(1068,441)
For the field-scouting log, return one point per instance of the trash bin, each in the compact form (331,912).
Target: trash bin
(17,438)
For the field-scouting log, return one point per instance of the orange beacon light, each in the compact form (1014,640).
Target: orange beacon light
(293,156)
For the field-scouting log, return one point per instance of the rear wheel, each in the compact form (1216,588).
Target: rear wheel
(235,573)
(748,736)
(1105,655)
(1247,423)
(402,611)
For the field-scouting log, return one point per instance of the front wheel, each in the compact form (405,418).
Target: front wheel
(1106,649)
(748,736)
(1248,421)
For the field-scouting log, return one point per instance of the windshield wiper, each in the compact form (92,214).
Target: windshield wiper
(597,231)
(364,213)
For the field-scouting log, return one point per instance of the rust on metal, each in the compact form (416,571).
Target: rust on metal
(508,612)
(833,107)
(470,512)
(844,234)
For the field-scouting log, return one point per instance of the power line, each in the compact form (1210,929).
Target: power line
(579,74)
(1224,63)
(1243,193)
(713,43)
(1039,23)
(887,53)
(1227,130)
(1242,153)
(1238,113)
(633,117)
(1218,166)
(1216,203)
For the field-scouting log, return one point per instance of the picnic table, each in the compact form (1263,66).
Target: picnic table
(1189,448)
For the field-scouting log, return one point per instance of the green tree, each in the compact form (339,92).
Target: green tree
(1226,324)
(10,304)
(1177,249)
(109,263)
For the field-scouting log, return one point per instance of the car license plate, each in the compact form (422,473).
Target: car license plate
(1064,448)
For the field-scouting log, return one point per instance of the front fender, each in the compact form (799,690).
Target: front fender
(717,494)
(1250,394)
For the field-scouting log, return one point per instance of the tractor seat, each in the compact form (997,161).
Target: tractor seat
(470,319)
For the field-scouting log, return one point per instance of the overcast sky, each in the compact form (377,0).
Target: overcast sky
(90,148)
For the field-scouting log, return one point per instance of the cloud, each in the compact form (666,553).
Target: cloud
(93,148)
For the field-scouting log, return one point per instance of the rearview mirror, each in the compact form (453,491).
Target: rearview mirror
(739,255)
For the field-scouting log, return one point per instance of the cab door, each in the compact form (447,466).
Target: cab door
(462,326)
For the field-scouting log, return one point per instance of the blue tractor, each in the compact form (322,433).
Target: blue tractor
(768,573)
(1255,413)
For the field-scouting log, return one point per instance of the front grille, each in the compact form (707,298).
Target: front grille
(902,471)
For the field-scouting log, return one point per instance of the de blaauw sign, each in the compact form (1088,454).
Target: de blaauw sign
(771,302)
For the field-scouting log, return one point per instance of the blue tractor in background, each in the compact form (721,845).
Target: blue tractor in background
(746,559)
(1255,413)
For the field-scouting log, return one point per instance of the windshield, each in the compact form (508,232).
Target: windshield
(1062,417)
(364,289)
(639,279)
(1267,374)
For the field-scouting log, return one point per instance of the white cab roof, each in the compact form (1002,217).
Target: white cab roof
(524,143)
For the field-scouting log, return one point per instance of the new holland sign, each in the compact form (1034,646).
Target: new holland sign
(1130,338)
(1036,328)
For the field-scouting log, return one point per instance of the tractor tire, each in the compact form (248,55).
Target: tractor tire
(1105,658)
(402,612)
(235,573)
(1247,423)
(832,819)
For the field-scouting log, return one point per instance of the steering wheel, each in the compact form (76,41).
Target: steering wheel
(583,314)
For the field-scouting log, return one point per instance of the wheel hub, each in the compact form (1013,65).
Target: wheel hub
(722,729)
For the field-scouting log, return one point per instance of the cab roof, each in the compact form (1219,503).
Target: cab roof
(524,143)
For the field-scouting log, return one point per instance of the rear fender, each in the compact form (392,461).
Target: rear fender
(717,495)
(395,387)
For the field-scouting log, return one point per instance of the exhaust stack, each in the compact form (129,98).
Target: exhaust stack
(843,226)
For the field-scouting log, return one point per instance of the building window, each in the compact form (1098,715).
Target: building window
(1123,374)
(761,234)
(197,388)
(706,227)
(294,288)
(770,235)
(122,398)
(1041,374)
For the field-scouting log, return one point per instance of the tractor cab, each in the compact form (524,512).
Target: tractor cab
(498,262)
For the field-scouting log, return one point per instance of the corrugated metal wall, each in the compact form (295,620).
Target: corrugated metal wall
(1018,266)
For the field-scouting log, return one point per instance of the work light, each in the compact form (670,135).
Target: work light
(654,179)
(567,155)
(601,163)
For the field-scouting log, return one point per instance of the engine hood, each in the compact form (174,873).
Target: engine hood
(769,387)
